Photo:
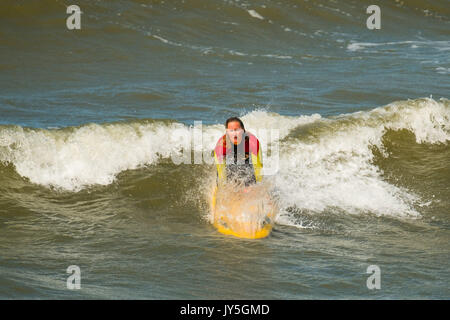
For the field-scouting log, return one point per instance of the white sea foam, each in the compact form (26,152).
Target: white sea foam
(334,170)
(363,46)
(276,56)
(94,154)
(326,166)
(443,70)
(255,14)
(91,154)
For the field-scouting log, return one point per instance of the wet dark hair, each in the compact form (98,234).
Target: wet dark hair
(233,119)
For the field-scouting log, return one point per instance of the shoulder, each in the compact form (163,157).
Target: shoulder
(253,141)
(221,140)
(220,145)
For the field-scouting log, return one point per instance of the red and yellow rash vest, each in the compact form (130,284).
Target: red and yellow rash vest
(229,157)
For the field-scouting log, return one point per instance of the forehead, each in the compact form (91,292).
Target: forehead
(233,124)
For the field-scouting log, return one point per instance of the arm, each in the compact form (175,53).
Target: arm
(257,161)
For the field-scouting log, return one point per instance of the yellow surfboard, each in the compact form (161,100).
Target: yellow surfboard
(248,213)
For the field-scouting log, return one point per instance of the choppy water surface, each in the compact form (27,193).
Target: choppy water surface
(87,123)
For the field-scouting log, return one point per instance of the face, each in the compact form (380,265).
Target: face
(234,132)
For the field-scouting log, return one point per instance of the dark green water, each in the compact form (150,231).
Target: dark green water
(91,120)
